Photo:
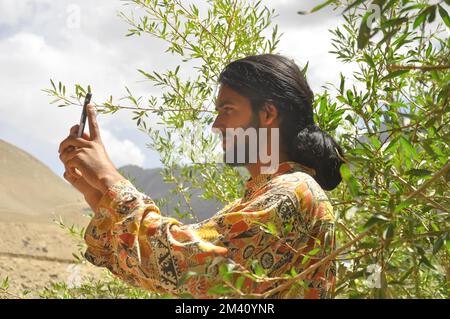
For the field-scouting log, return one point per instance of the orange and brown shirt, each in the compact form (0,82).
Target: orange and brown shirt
(284,223)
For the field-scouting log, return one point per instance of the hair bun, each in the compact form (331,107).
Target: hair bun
(318,150)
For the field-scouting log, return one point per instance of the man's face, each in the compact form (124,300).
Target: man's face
(235,112)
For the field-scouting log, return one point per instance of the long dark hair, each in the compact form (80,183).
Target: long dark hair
(278,80)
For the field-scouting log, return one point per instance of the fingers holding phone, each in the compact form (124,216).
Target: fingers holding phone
(94,129)
(89,114)
(85,154)
(87,100)
(74,132)
(78,130)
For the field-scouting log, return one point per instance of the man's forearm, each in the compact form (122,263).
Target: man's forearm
(107,181)
(93,199)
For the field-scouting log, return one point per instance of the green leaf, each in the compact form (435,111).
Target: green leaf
(354,4)
(425,261)
(444,15)
(5,283)
(407,147)
(323,105)
(403,204)
(432,14)
(429,49)
(305,259)
(293,272)
(225,271)
(305,68)
(239,282)
(369,60)
(394,22)
(53,84)
(349,179)
(342,85)
(272,228)
(375,142)
(375,219)
(316,8)
(320,6)
(394,74)
(313,251)
(257,269)
(419,172)
(287,229)
(364,32)
(423,15)
(350,97)
(388,232)
(219,290)
(439,243)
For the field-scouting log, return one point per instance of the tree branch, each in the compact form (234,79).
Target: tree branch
(308,270)
(395,67)
(436,176)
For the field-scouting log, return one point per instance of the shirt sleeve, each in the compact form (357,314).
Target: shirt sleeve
(129,236)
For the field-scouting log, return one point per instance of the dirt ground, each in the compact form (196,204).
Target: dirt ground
(34,250)
(33,255)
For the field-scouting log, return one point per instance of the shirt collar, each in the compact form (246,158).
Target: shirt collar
(254,183)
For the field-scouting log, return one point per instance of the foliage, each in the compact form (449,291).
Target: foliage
(105,288)
(391,117)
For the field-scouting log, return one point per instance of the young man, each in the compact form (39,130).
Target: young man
(129,236)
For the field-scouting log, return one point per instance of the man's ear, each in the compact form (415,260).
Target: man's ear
(269,114)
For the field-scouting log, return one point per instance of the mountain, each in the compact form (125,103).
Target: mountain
(34,251)
(151,182)
(30,191)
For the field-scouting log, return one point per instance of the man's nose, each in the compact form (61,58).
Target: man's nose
(216,125)
(217,129)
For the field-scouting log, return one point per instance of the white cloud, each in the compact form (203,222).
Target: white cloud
(12,11)
(313,44)
(28,71)
(122,152)
(38,44)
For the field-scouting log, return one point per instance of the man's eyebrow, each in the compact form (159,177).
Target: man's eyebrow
(221,104)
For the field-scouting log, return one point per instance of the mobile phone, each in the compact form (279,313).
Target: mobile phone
(87,100)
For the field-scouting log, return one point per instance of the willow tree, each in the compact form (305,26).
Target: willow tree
(392,210)
(394,115)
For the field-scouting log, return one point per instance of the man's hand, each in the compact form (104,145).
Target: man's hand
(86,157)
(74,177)
(91,195)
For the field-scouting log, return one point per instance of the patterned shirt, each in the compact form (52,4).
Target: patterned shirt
(283,224)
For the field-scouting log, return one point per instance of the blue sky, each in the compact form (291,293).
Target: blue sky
(39,40)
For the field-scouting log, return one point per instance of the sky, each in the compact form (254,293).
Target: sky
(84,42)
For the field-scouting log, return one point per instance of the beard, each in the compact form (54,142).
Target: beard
(232,156)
